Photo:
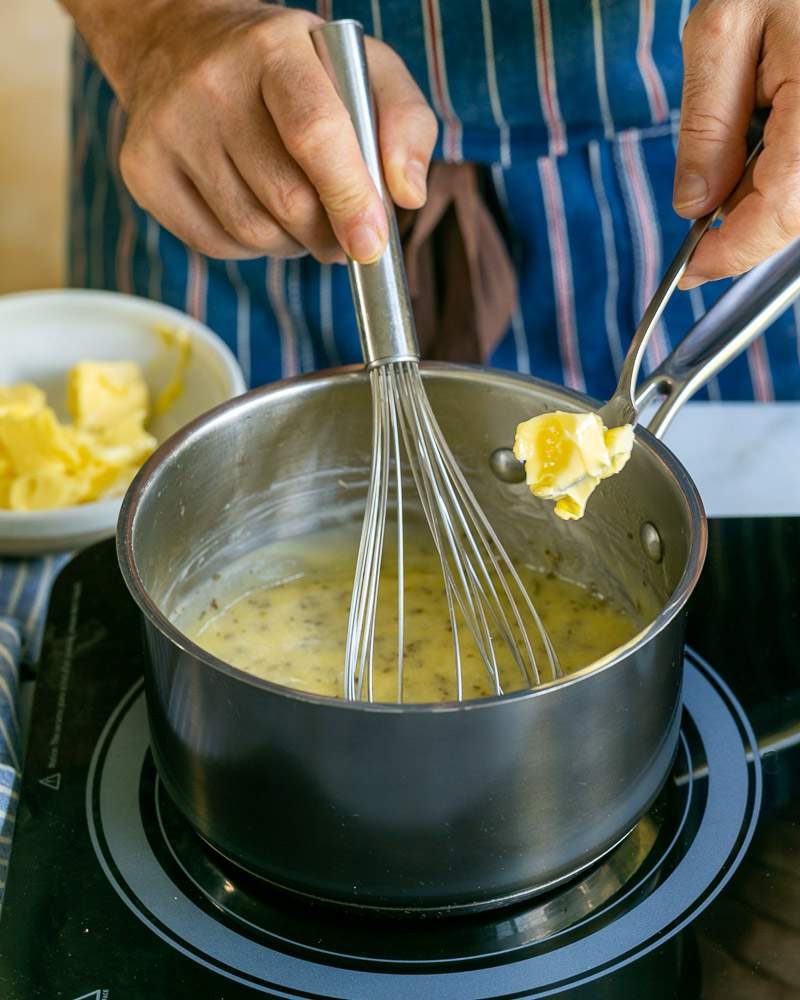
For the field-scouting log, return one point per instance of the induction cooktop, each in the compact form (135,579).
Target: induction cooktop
(112,895)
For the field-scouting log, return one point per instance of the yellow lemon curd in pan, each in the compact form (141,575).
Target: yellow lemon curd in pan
(567,454)
(281,614)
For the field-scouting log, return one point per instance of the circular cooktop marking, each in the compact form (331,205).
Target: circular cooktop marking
(724,832)
(347,936)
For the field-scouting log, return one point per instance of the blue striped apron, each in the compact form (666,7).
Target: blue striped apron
(571,106)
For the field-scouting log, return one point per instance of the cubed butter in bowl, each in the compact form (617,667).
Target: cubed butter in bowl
(90,383)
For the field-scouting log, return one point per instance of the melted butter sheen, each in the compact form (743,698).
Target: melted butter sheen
(291,630)
(566,455)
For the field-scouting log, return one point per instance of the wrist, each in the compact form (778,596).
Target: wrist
(124,37)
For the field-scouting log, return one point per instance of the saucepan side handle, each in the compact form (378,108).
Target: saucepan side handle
(741,315)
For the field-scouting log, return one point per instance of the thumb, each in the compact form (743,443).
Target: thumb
(721,43)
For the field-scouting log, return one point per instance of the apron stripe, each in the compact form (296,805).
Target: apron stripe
(758,362)
(326,314)
(491,80)
(545,71)
(127,232)
(646,236)
(9,704)
(95,274)
(600,70)
(295,302)
(562,272)
(10,749)
(277,299)
(42,593)
(653,84)
(16,590)
(242,319)
(155,267)
(683,17)
(518,331)
(612,266)
(196,282)
(437,74)
(377,25)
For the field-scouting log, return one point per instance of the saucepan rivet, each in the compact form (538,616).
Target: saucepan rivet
(505,465)
(651,542)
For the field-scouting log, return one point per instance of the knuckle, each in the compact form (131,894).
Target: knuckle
(252,233)
(296,203)
(269,37)
(420,119)
(787,219)
(313,133)
(702,125)
(272,35)
(346,201)
(208,246)
(211,77)
(163,122)
(133,166)
(204,239)
(328,254)
(736,257)
(713,20)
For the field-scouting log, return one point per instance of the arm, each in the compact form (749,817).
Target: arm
(236,140)
(739,54)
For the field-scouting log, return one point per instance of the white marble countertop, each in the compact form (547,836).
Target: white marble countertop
(744,457)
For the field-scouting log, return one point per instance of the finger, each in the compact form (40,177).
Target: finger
(160,187)
(720,53)
(407,127)
(236,208)
(317,132)
(280,185)
(768,217)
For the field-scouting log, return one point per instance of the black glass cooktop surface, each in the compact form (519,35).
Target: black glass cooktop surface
(110,894)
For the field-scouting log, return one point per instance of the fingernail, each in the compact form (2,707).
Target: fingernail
(365,244)
(691,189)
(688,282)
(417,178)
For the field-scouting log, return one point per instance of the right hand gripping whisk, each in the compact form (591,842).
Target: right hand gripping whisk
(481,584)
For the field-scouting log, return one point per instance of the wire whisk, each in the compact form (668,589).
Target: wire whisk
(482,587)
(480,581)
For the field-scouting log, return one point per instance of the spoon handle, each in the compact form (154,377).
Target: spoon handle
(749,306)
(622,408)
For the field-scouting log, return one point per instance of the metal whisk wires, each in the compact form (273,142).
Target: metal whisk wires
(482,587)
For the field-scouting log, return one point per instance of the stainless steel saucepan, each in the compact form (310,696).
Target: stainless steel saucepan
(423,806)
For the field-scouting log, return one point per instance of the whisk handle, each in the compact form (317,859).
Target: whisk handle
(380,290)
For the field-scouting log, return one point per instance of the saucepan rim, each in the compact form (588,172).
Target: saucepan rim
(144,480)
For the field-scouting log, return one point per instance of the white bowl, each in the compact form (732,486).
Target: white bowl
(42,334)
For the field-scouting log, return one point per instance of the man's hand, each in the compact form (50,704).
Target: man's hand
(739,54)
(237,141)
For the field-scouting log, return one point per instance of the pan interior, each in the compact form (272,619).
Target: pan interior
(294,459)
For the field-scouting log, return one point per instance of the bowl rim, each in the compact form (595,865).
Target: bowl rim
(79,515)
(144,482)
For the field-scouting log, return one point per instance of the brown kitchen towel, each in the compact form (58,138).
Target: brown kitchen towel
(462,283)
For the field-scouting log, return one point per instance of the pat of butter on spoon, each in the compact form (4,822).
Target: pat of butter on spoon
(566,455)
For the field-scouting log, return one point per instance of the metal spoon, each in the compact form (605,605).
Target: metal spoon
(623,407)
